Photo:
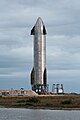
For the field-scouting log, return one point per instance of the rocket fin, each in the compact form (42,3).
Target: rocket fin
(45,76)
(44,30)
(32,76)
(33,31)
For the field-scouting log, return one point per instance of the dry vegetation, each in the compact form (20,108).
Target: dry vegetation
(45,102)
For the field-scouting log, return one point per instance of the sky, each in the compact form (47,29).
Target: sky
(62,21)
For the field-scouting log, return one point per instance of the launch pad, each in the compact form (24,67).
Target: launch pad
(40,88)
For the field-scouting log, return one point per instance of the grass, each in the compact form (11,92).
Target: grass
(46,102)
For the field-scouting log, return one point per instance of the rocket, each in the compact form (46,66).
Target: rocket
(39,72)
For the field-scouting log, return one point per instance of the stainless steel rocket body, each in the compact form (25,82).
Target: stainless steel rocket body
(39,69)
(39,56)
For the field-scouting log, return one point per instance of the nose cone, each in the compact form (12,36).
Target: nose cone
(39,27)
(39,23)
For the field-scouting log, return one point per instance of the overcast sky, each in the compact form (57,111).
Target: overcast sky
(62,21)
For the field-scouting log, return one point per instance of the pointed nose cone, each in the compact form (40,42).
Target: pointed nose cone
(39,27)
(39,22)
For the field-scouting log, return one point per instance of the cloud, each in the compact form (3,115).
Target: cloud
(61,19)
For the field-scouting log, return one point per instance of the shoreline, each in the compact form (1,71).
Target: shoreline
(62,109)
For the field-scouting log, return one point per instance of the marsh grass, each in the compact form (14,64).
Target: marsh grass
(57,102)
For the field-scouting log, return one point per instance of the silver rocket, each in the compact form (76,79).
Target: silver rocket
(38,74)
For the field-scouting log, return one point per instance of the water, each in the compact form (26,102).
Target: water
(28,114)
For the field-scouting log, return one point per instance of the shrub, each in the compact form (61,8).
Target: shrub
(33,100)
(21,101)
(66,102)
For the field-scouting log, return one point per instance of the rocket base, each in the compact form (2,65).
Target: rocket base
(40,88)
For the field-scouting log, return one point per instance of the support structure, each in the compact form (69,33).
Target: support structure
(57,88)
